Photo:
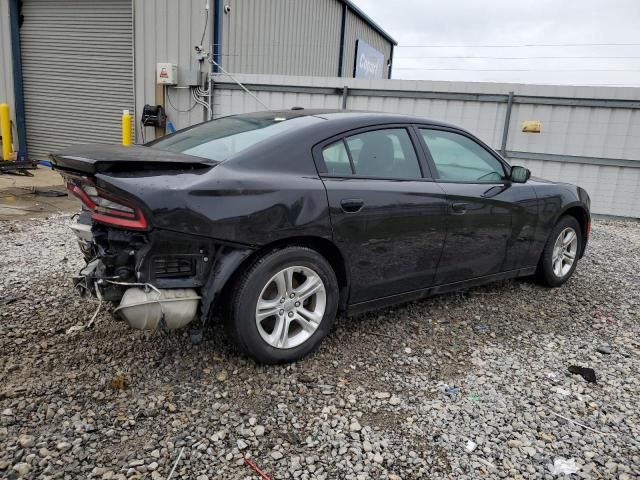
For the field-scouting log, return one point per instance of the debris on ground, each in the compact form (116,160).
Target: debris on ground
(577,423)
(50,193)
(255,468)
(562,391)
(589,374)
(10,299)
(450,391)
(117,382)
(604,349)
(74,329)
(563,466)
(175,464)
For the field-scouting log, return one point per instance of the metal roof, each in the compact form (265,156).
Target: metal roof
(369,21)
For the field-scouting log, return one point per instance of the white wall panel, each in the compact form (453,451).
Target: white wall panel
(613,190)
(167,31)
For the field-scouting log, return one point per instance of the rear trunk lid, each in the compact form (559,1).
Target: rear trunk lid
(100,158)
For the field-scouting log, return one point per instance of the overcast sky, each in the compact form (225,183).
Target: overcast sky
(473,24)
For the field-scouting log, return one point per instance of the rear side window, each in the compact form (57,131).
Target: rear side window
(385,153)
(336,159)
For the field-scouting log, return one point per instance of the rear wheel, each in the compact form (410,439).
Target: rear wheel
(283,305)
(560,255)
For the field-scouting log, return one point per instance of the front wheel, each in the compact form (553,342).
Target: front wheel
(560,255)
(283,305)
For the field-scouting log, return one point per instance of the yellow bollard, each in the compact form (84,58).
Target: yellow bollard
(5,131)
(126,127)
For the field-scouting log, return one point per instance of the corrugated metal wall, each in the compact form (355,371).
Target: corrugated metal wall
(356,28)
(6,72)
(594,132)
(604,135)
(77,70)
(167,31)
(288,37)
(613,190)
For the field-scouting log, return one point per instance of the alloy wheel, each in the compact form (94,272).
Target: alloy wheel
(290,307)
(564,252)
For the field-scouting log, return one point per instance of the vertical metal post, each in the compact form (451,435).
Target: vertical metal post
(127,120)
(159,97)
(14,13)
(218,15)
(390,62)
(343,28)
(345,94)
(5,131)
(507,121)
(213,30)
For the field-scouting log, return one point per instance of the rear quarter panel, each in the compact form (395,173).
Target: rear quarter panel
(237,202)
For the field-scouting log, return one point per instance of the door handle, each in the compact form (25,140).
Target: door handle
(459,208)
(352,205)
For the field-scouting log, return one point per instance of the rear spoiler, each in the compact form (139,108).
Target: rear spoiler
(100,158)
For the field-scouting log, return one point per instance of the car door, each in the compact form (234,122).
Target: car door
(388,217)
(482,205)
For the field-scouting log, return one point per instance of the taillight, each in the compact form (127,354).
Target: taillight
(107,207)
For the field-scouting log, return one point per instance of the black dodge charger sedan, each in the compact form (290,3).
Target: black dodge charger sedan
(276,221)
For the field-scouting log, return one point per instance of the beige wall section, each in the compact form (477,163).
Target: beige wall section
(356,28)
(167,31)
(6,63)
(287,37)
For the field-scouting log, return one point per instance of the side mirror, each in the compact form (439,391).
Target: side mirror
(520,174)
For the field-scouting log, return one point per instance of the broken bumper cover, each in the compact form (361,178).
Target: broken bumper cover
(158,279)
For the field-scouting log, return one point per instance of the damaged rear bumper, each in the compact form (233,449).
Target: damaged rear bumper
(159,278)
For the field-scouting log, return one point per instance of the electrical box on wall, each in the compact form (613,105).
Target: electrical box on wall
(166,74)
(190,78)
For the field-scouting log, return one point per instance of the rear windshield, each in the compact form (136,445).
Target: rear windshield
(225,137)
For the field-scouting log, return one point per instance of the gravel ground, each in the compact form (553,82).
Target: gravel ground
(114,403)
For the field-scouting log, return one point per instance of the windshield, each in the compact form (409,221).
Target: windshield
(225,137)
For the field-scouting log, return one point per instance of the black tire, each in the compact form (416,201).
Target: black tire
(545,272)
(240,318)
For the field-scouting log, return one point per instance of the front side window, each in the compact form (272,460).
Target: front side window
(458,158)
(385,153)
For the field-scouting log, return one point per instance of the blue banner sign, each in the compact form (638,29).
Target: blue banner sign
(369,61)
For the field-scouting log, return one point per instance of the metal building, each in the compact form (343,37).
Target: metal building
(68,68)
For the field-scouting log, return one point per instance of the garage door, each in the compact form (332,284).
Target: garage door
(77,60)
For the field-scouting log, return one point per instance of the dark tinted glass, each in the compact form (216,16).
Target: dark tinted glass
(225,137)
(385,153)
(336,159)
(458,158)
